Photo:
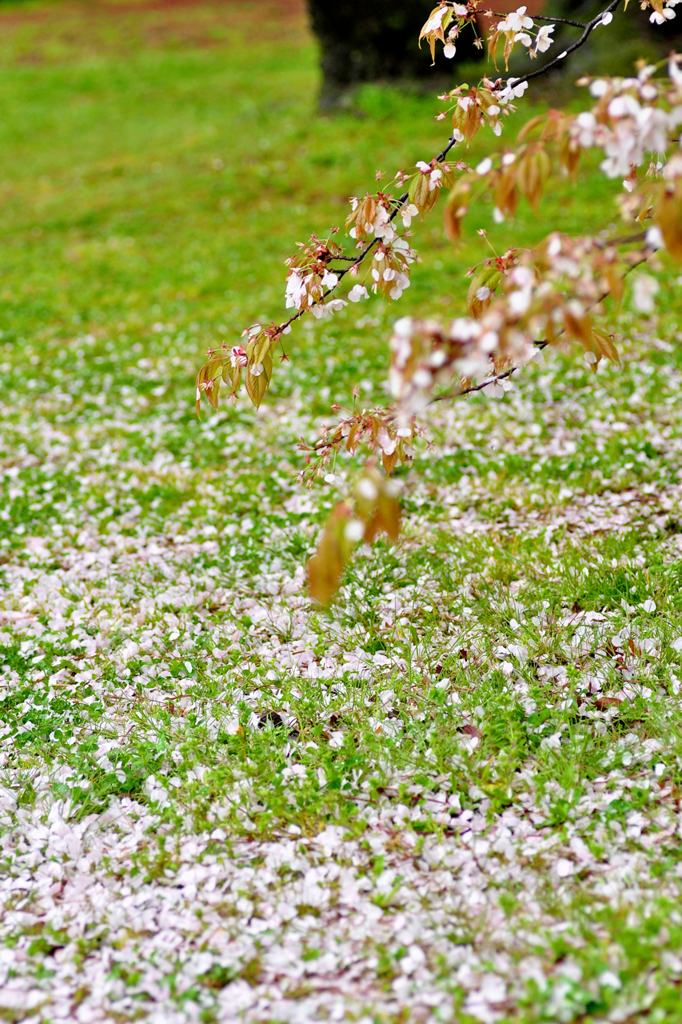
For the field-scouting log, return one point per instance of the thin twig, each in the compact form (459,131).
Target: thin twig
(589,28)
(539,345)
(562,21)
(626,239)
(539,17)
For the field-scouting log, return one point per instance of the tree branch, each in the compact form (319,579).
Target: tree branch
(539,17)
(357,260)
(538,344)
(589,29)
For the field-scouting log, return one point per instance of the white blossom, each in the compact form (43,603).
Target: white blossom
(543,39)
(516,21)
(407,212)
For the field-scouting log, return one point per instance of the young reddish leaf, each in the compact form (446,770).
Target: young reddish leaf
(487,279)
(259,348)
(604,345)
(236,377)
(256,385)
(325,568)
(389,462)
(669,217)
(389,509)
(614,279)
(456,208)
(419,192)
(493,40)
(569,155)
(213,393)
(529,126)
(208,382)
(532,172)
(351,440)
(579,325)
(506,193)
(438,20)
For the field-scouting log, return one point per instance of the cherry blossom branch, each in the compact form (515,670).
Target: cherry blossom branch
(547,291)
(389,414)
(486,383)
(538,344)
(589,29)
(392,255)
(451,143)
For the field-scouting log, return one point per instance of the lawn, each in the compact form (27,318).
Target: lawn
(455,796)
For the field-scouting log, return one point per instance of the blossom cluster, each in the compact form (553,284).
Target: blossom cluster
(517,27)
(477,106)
(635,123)
(390,268)
(446,22)
(310,277)
(373,216)
(634,119)
(538,297)
(376,429)
(450,18)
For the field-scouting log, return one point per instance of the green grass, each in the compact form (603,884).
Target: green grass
(158,166)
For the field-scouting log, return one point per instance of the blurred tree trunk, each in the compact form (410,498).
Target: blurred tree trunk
(371,40)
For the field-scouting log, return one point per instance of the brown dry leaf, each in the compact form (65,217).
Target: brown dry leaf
(471,730)
(607,702)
